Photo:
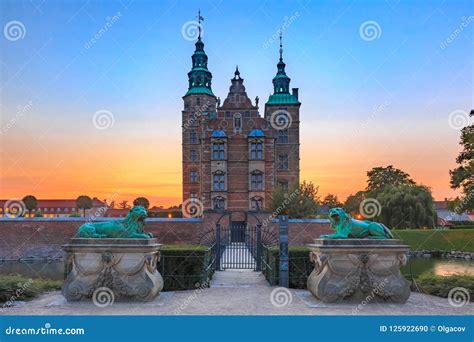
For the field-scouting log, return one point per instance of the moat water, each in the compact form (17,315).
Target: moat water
(54,269)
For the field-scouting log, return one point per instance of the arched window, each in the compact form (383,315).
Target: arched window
(237,122)
(256,181)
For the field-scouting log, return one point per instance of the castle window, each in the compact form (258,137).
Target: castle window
(256,150)
(246,114)
(193,176)
(193,155)
(193,137)
(237,122)
(282,184)
(256,203)
(218,150)
(283,162)
(256,181)
(283,136)
(218,181)
(198,101)
(219,203)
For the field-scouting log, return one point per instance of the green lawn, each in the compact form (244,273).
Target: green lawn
(441,240)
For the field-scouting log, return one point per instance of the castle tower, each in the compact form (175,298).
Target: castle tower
(282,111)
(199,105)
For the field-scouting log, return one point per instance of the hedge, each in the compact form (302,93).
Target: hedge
(300,266)
(437,240)
(15,287)
(440,286)
(185,267)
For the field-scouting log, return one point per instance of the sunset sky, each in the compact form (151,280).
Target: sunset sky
(366,100)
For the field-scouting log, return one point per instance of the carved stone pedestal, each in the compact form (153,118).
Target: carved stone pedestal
(120,269)
(358,271)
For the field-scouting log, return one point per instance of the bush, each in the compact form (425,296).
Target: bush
(300,266)
(440,286)
(185,267)
(16,287)
(439,240)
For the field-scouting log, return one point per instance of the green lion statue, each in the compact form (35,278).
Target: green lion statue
(346,227)
(130,227)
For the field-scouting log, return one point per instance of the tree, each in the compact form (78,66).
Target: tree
(380,177)
(124,205)
(84,202)
(30,202)
(406,206)
(331,201)
(352,203)
(112,204)
(301,201)
(462,177)
(144,202)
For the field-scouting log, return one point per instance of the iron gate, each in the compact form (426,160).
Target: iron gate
(238,246)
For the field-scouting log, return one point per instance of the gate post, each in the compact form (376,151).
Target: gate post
(259,247)
(218,247)
(284,276)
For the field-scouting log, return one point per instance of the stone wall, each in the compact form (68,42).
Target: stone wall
(40,237)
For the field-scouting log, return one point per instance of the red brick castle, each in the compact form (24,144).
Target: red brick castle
(233,158)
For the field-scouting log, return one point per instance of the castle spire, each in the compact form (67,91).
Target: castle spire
(281,47)
(200,78)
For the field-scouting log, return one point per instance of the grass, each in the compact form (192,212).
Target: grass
(16,287)
(441,285)
(439,240)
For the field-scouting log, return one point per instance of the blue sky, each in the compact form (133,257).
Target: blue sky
(137,70)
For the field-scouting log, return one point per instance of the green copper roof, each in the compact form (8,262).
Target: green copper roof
(282,99)
(199,90)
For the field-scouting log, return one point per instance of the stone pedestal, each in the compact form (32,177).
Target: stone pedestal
(124,268)
(358,271)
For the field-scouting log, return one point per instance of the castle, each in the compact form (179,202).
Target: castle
(233,158)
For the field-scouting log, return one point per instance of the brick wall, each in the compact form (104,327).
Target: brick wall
(44,237)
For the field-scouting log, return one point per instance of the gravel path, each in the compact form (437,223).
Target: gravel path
(237,292)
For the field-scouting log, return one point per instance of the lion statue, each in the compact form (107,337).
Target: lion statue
(130,227)
(346,227)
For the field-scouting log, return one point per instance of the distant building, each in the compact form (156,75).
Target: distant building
(51,208)
(448,218)
(234,158)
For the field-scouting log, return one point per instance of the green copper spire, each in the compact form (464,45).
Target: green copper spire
(281,84)
(199,77)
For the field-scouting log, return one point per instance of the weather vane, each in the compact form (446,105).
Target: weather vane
(199,18)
